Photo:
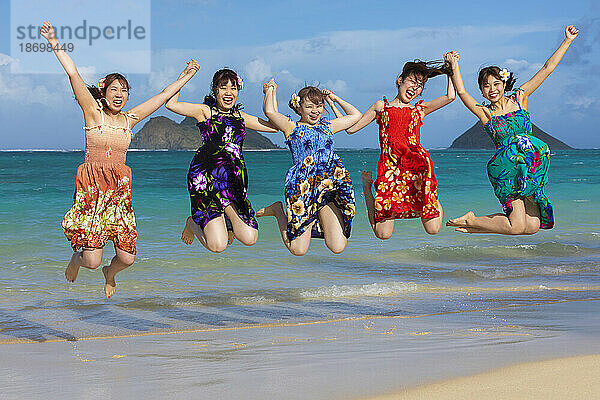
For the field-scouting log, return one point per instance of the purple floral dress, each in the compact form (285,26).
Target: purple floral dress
(217,176)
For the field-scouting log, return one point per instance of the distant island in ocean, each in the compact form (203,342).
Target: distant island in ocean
(161,133)
(476,138)
(164,133)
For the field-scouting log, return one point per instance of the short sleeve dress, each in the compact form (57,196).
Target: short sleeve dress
(519,168)
(217,176)
(406,186)
(316,178)
(102,206)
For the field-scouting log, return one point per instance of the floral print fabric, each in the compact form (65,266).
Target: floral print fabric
(519,168)
(217,176)
(317,177)
(102,206)
(406,186)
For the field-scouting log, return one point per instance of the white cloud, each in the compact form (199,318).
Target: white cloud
(286,77)
(257,70)
(521,65)
(581,102)
(5,59)
(21,89)
(88,73)
(157,80)
(338,86)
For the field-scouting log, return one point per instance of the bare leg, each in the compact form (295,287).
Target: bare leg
(298,246)
(367,183)
(87,258)
(333,228)
(242,232)
(214,237)
(382,229)
(433,225)
(119,262)
(521,221)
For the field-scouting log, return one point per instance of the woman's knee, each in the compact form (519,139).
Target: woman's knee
(298,249)
(216,245)
(432,229)
(383,233)
(336,246)
(248,237)
(126,258)
(518,228)
(533,226)
(91,260)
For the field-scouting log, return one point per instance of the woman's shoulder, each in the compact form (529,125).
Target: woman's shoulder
(380,104)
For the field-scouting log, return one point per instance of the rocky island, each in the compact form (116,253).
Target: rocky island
(476,138)
(161,133)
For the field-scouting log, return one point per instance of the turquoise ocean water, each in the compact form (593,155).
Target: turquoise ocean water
(259,323)
(172,286)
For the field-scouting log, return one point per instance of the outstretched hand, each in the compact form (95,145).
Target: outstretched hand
(452,57)
(269,84)
(192,67)
(571,32)
(47,31)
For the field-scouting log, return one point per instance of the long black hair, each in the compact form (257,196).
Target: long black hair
(424,70)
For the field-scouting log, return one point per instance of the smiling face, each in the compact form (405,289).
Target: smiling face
(410,87)
(116,95)
(226,94)
(492,88)
(309,111)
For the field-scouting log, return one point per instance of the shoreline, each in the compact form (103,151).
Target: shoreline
(573,377)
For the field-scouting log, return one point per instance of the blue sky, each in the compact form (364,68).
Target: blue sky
(357,48)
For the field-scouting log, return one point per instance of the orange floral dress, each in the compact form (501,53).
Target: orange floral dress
(406,186)
(102,207)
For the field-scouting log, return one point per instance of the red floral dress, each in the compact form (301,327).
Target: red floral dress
(406,186)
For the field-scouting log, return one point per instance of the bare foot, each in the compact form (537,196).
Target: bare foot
(461,221)
(72,269)
(187,236)
(110,286)
(367,178)
(269,211)
(230,237)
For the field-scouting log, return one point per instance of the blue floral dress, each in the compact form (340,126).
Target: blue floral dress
(217,176)
(316,178)
(519,168)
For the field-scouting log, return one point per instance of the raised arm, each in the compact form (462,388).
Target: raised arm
(259,124)
(459,87)
(436,104)
(149,106)
(367,117)
(85,99)
(344,122)
(278,120)
(531,85)
(331,104)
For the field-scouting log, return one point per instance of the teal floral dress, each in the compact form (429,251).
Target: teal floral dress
(519,168)
(316,178)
